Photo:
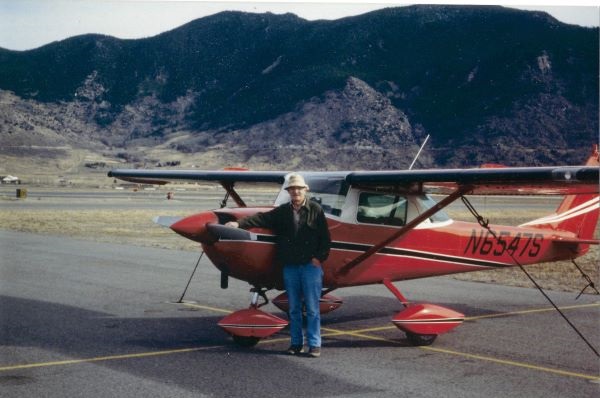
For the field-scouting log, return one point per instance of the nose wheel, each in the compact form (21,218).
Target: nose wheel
(245,341)
(420,339)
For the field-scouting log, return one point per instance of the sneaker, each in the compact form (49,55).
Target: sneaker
(314,352)
(295,350)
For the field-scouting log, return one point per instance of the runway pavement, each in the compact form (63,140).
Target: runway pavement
(86,319)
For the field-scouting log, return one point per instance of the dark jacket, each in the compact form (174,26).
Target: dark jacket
(311,240)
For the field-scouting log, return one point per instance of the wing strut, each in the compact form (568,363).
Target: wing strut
(463,189)
(228,185)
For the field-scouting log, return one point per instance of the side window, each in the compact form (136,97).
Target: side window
(375,208)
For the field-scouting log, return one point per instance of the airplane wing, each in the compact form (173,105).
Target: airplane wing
(162,177)
(495,181)
(560,180)
(227,178)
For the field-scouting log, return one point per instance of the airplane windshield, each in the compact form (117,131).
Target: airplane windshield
(329,192)
(426,203)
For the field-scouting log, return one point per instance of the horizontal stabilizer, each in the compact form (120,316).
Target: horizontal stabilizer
(166,221)
(575,241)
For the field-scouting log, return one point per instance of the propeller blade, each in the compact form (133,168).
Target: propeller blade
(166,221)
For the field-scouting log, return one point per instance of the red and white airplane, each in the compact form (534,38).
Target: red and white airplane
(384,228)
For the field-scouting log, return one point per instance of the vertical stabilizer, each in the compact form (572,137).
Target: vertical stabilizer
(576,213)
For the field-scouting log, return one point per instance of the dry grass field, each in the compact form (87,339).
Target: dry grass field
(135,227)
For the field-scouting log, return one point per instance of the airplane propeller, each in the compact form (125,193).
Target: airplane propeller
(166,221)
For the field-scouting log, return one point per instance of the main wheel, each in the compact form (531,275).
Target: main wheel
(421,339)
(246,341)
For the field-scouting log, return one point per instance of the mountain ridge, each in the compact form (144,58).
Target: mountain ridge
(489,84)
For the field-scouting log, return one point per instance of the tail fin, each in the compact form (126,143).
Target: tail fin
(576,213)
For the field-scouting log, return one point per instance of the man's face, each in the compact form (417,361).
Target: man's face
(297,194)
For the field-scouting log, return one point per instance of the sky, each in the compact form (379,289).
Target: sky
(27,24)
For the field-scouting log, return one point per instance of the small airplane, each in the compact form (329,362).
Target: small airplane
(385,227)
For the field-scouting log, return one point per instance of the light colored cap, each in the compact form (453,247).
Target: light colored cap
(295,180)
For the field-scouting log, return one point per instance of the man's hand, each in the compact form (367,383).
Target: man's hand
(233,224)
(316,262)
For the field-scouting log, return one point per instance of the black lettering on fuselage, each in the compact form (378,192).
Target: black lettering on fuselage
(521,244)
(475,241)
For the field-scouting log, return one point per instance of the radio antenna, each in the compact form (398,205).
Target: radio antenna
(418,153)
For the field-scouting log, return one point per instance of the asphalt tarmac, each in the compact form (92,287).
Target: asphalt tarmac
(86,319)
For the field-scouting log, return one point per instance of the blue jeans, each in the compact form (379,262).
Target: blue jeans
(304,282)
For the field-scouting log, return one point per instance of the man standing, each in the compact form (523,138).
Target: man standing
(303,244)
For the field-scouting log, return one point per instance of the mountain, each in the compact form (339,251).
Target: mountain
(489,84)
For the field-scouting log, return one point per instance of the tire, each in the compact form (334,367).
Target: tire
(245,341)
(421,339)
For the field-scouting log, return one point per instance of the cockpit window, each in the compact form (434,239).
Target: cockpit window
(386,209)
(329,192)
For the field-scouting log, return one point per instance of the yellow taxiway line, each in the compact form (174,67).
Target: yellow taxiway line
(361,333)
(330,332)
(104,358)
(205,307)
(514,363)
(533,311)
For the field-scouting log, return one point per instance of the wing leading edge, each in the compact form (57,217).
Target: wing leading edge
(562,180)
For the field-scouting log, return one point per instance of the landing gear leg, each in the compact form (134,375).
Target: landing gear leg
(256,293)
(388,283)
